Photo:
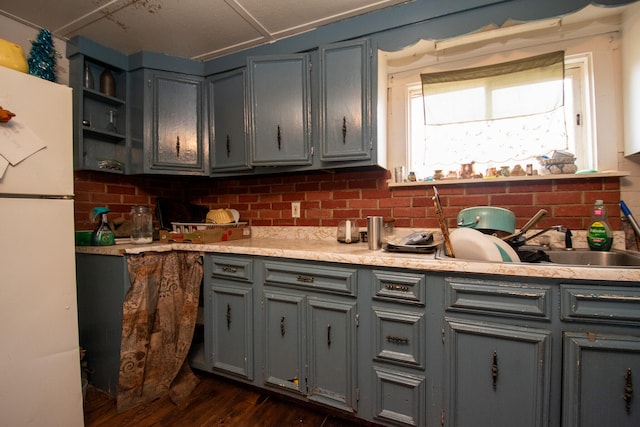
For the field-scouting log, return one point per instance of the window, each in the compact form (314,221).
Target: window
(494,122)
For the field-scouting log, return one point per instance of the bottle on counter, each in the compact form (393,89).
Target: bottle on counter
(103,235)
(599,235)
(141,225)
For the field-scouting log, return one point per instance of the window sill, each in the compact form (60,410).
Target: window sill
(473,181)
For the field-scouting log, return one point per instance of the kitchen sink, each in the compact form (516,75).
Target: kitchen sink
(614,258)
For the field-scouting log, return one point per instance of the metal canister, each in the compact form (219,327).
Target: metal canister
(374,232)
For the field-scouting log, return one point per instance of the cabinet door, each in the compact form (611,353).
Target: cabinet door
(285,353)
(345,99)
(227,122)
(332,353)
(176,123)
(231,333)
(279,119)
(599,376)
(497,375)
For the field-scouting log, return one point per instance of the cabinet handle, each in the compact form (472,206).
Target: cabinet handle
(279,138)
(494,370)
(344,130)
(178,146)
(228,147)
(305,279)
(628,390)
(282,327)
(228,316)
(397,340)
(229,269)
(328,335)
(401,288)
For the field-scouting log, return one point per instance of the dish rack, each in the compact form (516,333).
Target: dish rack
(190,227)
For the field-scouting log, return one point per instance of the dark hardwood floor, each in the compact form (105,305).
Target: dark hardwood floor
(215,401)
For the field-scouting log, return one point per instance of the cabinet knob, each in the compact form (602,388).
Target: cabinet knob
(228,146)
(228,316)
(178,146)
(282,326)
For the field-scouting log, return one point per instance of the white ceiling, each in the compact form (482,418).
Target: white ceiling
(196,29)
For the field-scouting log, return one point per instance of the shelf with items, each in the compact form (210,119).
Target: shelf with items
(100,79)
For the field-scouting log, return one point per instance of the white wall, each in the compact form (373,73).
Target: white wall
(23,35)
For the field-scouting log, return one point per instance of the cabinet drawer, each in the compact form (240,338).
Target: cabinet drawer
(600,303)
(399,287)
(399,397)
(508,299)
(399,337)
(327,278)
(240,269)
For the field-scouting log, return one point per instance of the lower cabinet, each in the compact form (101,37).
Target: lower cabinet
(400,347)
(497,375)
(229,311)
(497,352)
(310,321)
(599,376)
(601,355)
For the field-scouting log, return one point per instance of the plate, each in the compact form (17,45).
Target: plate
(508,253)
(472,244)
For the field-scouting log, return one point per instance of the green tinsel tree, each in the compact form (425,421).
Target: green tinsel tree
(42,58)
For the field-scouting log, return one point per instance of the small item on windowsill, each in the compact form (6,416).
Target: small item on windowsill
(411,177)
(517,171)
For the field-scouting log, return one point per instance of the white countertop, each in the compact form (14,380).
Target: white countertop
(319,244)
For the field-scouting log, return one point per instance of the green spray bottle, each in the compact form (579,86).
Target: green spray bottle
(103,234)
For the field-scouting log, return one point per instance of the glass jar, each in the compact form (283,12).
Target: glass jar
(141,225)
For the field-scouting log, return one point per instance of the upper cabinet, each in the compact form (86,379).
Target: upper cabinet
(99,112)
(345,101)
(227,122)
(167,111)
(280,110)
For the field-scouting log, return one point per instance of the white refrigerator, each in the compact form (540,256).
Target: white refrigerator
(39,356)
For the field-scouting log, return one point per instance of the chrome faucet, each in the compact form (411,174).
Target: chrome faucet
(568,242)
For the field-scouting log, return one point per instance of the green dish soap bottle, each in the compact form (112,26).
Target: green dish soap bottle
(599,235)
(103,234)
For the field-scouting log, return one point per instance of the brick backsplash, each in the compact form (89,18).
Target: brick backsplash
(329,197)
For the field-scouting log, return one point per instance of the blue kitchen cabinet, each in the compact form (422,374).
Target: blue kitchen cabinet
(601,354)
(345,101)
(399,355)
(227,109)
(497,352)
(310,321)
(228,314)
(280,110)
(167,115)
(600,371)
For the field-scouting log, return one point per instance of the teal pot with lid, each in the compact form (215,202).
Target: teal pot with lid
(488,219)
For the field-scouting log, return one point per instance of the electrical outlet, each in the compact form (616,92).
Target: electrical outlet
(295,209)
